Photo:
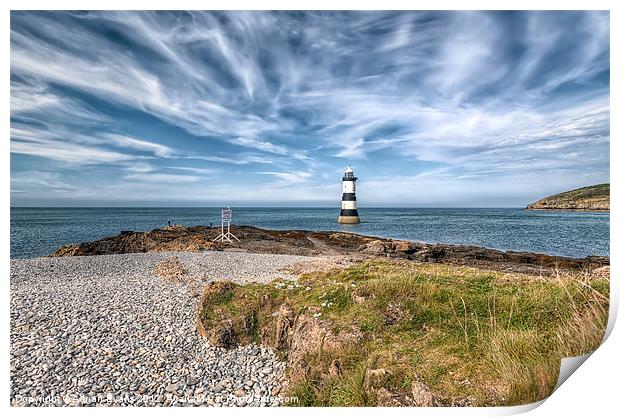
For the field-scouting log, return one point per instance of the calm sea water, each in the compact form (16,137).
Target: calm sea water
(39,231)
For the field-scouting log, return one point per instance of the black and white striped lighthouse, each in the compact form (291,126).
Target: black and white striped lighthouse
(348,208)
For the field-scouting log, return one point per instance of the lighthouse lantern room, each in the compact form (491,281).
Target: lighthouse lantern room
(348,208)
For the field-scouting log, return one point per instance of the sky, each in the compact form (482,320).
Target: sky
(444,109)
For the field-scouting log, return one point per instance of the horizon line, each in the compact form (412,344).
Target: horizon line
(278,206)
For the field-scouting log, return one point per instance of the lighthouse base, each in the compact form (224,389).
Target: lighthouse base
(348,219)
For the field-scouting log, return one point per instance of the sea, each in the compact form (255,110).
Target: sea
(37,232)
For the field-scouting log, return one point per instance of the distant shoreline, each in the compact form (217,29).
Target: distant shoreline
(568,209)
(594,198)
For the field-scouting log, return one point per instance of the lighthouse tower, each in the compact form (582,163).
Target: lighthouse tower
(348,209)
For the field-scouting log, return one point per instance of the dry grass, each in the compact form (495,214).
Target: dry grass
(531,359)
(474,337)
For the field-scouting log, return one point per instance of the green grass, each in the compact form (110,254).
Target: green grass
(490,338)
(593,191)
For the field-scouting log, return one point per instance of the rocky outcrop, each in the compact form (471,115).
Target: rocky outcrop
(158,240)
(306,339)
(299,242)
(285,325)
(592,198)
(477,256)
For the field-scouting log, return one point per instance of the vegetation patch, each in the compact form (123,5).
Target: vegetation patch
(387,332)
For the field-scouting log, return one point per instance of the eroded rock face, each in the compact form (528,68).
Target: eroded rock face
(393,247)
(284,327)
(306,339)
(387,398)
(311,335)
(404,246)
(492,259)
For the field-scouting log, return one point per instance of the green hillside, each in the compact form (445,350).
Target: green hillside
(592,198)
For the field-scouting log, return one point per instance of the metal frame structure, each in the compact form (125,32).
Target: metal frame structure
(225,236)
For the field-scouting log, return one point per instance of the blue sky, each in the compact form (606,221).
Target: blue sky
(259,108)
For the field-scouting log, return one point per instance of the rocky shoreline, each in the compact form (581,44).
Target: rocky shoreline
(309,243)
(568,208)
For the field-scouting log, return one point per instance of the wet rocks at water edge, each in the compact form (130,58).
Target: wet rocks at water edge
(105,330)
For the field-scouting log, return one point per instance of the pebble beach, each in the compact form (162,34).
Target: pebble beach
(106,331)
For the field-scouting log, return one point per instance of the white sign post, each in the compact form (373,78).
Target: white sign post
(225,236)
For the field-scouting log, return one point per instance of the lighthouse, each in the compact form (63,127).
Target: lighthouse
(348,208)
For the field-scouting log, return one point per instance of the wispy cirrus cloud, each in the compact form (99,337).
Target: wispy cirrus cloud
(262,145)
(245,96)
(290,178)
(161,178)
(139,145)
(26,142)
